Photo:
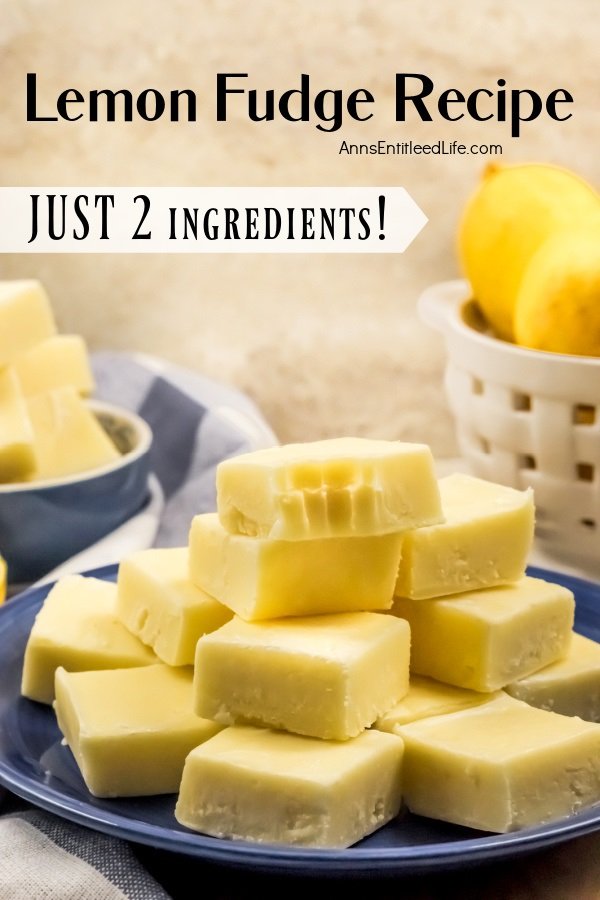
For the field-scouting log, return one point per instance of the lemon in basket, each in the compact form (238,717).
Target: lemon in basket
(2,580)
(558,305)
(512,213)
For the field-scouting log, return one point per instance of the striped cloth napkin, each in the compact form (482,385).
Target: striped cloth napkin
(196,423)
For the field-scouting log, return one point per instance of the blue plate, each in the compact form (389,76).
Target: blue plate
(35,765)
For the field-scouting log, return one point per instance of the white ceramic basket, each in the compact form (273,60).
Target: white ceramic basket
(525,417)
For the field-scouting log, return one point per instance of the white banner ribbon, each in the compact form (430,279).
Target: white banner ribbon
(208,220)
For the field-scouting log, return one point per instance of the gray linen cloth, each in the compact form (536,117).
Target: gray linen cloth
(196,423)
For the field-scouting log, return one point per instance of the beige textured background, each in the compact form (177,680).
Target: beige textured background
(325,344)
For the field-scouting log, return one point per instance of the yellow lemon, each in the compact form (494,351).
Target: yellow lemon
(2,580)
(558,305)
(513,211)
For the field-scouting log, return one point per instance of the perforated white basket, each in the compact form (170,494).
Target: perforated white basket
(525,417)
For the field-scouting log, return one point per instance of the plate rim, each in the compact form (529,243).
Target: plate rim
(407,859)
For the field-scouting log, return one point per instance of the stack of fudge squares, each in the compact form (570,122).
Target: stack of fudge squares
(46,428)
(345,638)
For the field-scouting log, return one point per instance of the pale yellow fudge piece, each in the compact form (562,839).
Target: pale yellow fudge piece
(485,540)
(323,676)
(262,578)
(501,766)
(59,361)
(485,639)
(25,318)
(158,602)
(332,488)
(17,453)
(265,786)
(68,437)
(570,686)
(426,698)
(78,628)
(3,579)
(130,730)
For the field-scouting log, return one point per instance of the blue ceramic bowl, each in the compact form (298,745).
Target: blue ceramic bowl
(44,523)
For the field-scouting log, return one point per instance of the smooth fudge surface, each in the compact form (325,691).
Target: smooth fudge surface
(332,488)
(130,730)
(485,639)
(570,686)
(158,602)
(501,766)
(263,578)
(484,540)
(78,628)
(17,449)
(68,437)
(26,318)
(426,698)
(58,361)
(325,676)
(266,786)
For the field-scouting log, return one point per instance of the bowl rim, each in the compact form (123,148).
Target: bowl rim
(442,306)
(144,434)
